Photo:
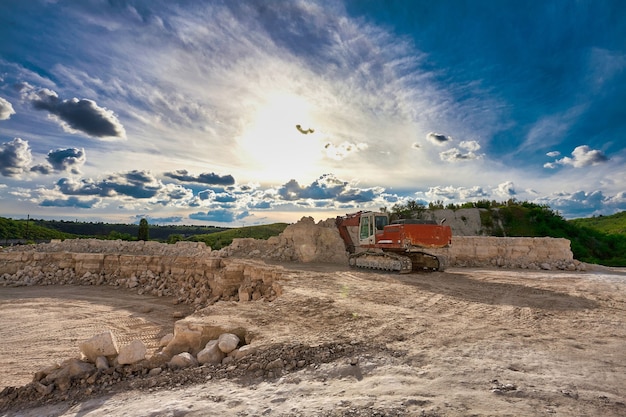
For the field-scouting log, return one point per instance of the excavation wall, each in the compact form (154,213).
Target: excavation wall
(186,271)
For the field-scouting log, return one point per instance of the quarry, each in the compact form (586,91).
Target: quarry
(513,326)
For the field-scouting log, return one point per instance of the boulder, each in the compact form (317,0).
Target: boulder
(183,360)
(78,368)
(227,342)
(102,344)
(211,353)
(131,353)
(165,340)
(102,363)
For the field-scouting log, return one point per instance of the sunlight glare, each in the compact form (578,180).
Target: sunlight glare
(274,148)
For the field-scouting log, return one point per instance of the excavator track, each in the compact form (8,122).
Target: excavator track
(423,261)
(389,261)
(381,260)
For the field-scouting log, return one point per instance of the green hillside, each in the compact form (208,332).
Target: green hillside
(24,230)
(219,240)
(588,244)
(614,224)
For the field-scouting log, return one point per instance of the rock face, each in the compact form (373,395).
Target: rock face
(191,273)
(510,252)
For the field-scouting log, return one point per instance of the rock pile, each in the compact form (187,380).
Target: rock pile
(304,241)
(78,379)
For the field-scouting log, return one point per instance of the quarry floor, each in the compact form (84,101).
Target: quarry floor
(479,342)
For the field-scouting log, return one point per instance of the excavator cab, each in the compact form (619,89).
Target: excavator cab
(370,225)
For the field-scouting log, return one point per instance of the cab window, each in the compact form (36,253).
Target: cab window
(381,222)
(365,227)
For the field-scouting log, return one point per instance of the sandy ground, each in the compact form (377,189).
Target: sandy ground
(467,342)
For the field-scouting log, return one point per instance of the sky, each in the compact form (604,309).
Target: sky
(232,113)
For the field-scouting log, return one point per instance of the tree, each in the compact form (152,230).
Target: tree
(144,232)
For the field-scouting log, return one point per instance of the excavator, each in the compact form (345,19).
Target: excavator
(402,245)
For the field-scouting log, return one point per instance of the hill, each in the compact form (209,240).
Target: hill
(613,224)
(22,231)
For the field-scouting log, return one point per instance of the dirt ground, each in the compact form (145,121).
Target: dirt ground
(465,342)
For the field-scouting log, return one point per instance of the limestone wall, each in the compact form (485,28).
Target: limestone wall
(511,252)
(199,279)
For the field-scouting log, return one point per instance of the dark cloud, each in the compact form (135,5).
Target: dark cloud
(327,187)
(582,156)
(204,178)
(70,159)
(438,138)
(6,109)
(15,157)
(43,169)
(136,184)
(75,114)
(261,205)
(69,202)
(219,215)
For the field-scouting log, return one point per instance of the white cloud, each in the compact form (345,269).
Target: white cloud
(466,152)
(6,109)
(505,189)
(582,156)
(15,157)
(456,193)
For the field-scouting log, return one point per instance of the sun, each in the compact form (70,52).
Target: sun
(273,148)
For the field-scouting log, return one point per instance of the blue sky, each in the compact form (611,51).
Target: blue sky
(248,112)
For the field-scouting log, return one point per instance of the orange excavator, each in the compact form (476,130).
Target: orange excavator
(375,243)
